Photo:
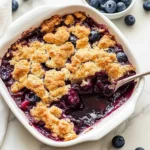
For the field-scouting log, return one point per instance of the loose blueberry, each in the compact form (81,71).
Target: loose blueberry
(129,20)
(102,7)
(110,6)
(122,57)
(146,5)
(102,2)
(95,3)
(73,39)
(94,36)
(121,6)
(126,2)
(118,141)
(15,5)
(139,148)
(73,99)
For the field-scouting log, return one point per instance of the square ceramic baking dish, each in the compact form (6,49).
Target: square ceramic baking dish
(32,20)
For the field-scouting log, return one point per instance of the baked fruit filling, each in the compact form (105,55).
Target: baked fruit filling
(61,74)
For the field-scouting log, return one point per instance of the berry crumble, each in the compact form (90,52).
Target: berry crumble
(60,75)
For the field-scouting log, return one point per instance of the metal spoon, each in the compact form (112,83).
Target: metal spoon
(126,80)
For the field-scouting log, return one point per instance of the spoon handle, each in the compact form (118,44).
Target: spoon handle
(126,80)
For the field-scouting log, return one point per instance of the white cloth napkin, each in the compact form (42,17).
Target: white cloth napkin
(5,20)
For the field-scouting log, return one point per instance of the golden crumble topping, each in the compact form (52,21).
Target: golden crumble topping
(106,41)
(21,70)
(82,43)
(69,20)
(36,85)
(63,55)
(115,70)
(36,69)
(80,15)
(17,86)
(80,31)
(40,56)
(58,38)
(49,25)
(54,79)
(60,127)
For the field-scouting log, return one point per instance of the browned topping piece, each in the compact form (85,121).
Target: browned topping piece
(40,56)
(59,55)
(69,20)
(55,111)
(16,87)
(21,70)
(106,41)
(80,31)
(36,69)
(60,37)
(55,83)
(116,70)
(85,70)
(80,15)
(54,79)
(82,43)
(49,24)
(36,85)
(50,116)
(21,52)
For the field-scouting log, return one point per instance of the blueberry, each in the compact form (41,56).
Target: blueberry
(118,141)
(110,6)
(102,7)
(121,6)
(73,39)
(25,104)
(5,72)
(32,98)
(94,36)
(129,20)
(115,1)
(15,5)
(126,2)
(95,3)
(146,5)
(139,148)
(122,57)
(102,2)
(73,99)
(111,50)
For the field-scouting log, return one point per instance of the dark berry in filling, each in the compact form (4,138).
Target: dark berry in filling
(94,36)
(73,39)
(121,56)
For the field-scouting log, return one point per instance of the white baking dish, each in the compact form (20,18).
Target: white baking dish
(33,19)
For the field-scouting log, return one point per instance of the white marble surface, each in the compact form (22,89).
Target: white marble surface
(136,129)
